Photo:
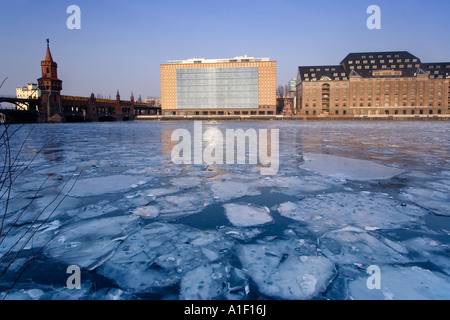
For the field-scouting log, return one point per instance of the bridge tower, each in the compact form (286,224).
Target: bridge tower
(51,87)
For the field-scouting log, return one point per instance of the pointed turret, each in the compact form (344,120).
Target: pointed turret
(48,55)
(50,86)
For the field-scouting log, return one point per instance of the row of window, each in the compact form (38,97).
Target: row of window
(382,61)
(396,112)
(98,110)
(413,104)
(220,113)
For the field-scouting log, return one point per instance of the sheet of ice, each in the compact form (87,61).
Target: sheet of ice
(366,210)
(186,182)
(41,292)
(88,243)
(432,199)
(279,271)
(147,212)
(430,250)
(403,283)
(297,185)
(347,168)
(160,192)
(247,215)
(183,204)
(225,190)
(213,282)
(105,185)
(92,210)
(160,254)
(244,234)
(355,246)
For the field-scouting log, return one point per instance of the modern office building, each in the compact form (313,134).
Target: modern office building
(374,83)
(238,86)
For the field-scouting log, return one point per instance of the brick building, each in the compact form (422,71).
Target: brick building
(374,83)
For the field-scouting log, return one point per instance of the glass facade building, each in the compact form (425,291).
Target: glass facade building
(239,86)
(217,88)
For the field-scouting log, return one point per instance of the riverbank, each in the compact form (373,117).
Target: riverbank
(295,118)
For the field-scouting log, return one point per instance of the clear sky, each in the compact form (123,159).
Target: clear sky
(121,44)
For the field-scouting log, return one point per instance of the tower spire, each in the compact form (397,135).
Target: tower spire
(48,55)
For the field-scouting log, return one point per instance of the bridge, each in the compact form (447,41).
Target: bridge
(20,114)
(77,109)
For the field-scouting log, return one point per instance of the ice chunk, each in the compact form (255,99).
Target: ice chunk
(104,185)
(294,185)
(403,283)
(247,215)
(281,272)
(186,182)
(434,200)
(160,192)
(430,250)
(158,255)
(88,243)
(212,282)
(92,210)
(148,212)
(239,233)
(351,245)
(366,210)
(225,190)
(347,168)
(179,205)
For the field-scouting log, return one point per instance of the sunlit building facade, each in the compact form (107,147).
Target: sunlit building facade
(374,83)
(238,86)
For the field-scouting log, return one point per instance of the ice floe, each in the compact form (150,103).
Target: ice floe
(160,255)
(433,199)
(225,190)
(347,168)
(212,282)
(247,215)
(105,185)
(281,272)
(89,243)
(351,245)
(183,204)
(366,210)
(403,283)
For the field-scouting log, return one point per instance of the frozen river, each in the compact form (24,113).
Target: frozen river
(348,197)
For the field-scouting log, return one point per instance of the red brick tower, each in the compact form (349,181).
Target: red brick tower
(51,88)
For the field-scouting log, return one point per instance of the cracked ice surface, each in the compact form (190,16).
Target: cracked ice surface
(347,195)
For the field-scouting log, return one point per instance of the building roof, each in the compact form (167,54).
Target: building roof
(440,70)
(317,73)
(203,60)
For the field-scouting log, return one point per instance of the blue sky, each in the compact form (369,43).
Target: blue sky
(121,44)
